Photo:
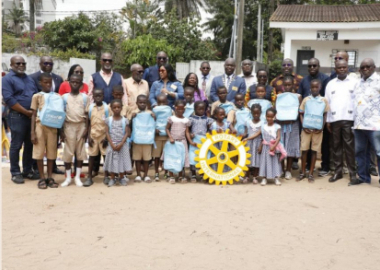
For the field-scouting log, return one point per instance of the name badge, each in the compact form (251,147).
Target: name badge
(234,88)
(174,87)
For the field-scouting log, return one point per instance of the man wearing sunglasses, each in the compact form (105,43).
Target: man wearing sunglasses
(46,65)
(342,55)
(205,78)
(151,74)
(136,85)
(18,90)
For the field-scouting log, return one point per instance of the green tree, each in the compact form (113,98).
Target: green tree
(184,8)
(17,19)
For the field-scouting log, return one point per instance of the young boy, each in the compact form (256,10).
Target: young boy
(43,137)
(313,136)
(222,95)
(162,100)
(141,151)
(189,98)
(97,114)
(74,131)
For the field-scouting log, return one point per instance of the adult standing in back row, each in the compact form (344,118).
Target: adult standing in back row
(151,74)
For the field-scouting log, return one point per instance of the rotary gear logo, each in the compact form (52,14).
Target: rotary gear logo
(231,148)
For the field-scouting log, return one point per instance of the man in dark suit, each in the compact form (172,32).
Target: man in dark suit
(151,73)
(46,65)
(233,83)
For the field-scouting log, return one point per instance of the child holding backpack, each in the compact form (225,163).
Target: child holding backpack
(260,99)
(118,160)
(74,131)
(189,98)
(313,112)
(98,112)
(227,106)
(44,137)
(241,115)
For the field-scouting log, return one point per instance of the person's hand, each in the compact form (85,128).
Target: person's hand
(90,141)
(133,115)
(29,113)
(219,130)
(233,131)
(171,140)
(193,144)
(105,143)
(165,91)
(157,132)
(84,135)
(118,147)
(244,140)
(272,148)
(260,149)
(192,135)
(33,138)
(152,114)
(63,137)
(317,131)
(114,147)
(328,125)
(307,131)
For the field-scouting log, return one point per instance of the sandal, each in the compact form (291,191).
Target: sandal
(172,180)
(302,176)
(42,184)
(193,179)
(51,183)
(311,179)
(245,180)
(254,181)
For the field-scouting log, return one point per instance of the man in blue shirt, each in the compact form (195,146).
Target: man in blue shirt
(18,90)
(151,74)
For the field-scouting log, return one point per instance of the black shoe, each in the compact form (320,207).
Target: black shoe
(335,178)
(373,172)
(32,175)
(88,182)
(355,181)
(106,180)
(18,179)
(58,171)
(295,166)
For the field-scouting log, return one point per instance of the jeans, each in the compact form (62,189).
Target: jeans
(20,131)
(362,140)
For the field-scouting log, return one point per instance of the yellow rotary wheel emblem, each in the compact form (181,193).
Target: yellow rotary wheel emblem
(222,157)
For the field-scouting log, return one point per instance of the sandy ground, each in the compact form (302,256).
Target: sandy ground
(191,226)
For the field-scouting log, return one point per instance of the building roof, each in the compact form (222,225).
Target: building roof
(326,13)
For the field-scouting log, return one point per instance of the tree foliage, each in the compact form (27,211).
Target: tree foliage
(183,8)
(18,19)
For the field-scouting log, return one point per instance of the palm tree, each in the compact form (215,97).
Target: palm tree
(17,18)
(184,8)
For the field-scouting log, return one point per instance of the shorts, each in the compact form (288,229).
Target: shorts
(46,140)
(160,144)
(74,143)
(142,152)
(313,138)
(96,147)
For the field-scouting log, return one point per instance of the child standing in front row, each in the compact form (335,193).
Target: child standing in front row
(254,142)
(118,158)
(270,165)
(176,130)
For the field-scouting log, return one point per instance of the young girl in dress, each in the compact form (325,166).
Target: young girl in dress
(118,159)
(290,132)
(253,142)
(176,130)
(270,166)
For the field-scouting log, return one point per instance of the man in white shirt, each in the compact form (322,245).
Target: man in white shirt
(247,75)
(205,79)
(367,119)
(340,119)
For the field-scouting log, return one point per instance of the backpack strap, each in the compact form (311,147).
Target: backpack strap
(90,110)
(110,120)
(106,111)
(123,124)
(65,96)
(84,99)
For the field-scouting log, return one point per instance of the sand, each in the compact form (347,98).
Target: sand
(191,226)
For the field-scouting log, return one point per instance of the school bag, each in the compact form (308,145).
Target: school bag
(314,110)
(192,149)
(174,157)
(143,128)
(189,109)
(241,118)
(53,112)
(265,105)
(162,114)
(65,96)
(287,105)
(227,107)
(106,111)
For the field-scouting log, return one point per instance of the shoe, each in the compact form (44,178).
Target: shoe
(111,183)
(295,166)
(32,175)
(58,171)
(172,180)
(263,182)
(355,181)
(288,175)
(335,178)
(373,172)
(156,177)
(277,182)
(254,181)
(323,173)
(18,179)
(78,182)
(147,179)
(106,180)
(138,179)
(124,181)
(88,182)
(66,182)
(307,170)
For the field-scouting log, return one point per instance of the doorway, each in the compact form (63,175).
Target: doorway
(303,57)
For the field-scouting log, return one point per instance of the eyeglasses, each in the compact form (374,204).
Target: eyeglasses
(140,71)
(78,72)
(365,67)
(20,63)
(107,60)
(162,70)
(338,58)
(286,65)
(312,66)
(48,64)
(205,68)
(262,76)
(162,58)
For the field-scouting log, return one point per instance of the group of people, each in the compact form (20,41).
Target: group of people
(134,121)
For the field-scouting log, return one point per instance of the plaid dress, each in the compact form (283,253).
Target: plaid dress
(270,166)
(178,132)
(254,144)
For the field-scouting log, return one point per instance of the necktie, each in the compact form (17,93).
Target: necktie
(204,84)
(228,81)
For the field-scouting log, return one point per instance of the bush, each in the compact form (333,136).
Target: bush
(10,43)
(65,55)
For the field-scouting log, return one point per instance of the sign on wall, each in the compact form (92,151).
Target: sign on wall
(327,35)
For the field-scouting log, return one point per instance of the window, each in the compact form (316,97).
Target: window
(352,57)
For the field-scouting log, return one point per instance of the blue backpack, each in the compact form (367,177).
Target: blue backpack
(227,107)
(174,157)
(192,149)
(189,109)
(287,105)
(65,96)
(162,114)
(92,107)
(265,105)
(242,116)
(143,128)
(314,110)
(53,113)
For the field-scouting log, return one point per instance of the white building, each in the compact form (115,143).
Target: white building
(320,31)
(45,10)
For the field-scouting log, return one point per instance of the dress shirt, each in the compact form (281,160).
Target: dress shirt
(367,103)
(304,88)
(18,89)
(134,89)
(249,80)
(340,96)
